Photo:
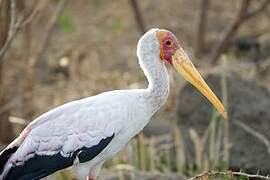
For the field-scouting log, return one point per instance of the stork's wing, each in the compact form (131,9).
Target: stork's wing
(40,166)
(75,132)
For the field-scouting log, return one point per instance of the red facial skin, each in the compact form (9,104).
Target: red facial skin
(168,45)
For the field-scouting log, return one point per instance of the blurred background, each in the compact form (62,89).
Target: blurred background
(55,51)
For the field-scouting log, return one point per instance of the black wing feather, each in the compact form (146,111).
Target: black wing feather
(42,166)
(5,155)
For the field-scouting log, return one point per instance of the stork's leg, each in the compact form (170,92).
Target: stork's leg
(94,172)
(82,171)
(90,178)
(86,171)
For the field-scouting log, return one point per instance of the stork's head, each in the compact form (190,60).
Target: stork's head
(171,51)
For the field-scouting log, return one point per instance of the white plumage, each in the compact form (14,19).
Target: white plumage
(87,132)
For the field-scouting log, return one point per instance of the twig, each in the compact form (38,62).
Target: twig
(12,29)
(9,40)
(256,134)
(242,16)
(15,26)
(48,30)
(10,104)
(13,14)
(201,27)
(33,13)
(205,175)
(138,16)
(224,43)
(263,6)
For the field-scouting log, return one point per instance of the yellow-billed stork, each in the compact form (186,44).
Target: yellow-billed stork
(87,132)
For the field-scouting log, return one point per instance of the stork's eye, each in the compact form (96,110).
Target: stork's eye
(168,43)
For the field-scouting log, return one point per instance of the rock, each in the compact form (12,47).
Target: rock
(249,103)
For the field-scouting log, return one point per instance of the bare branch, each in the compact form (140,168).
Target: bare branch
(256,134)
(138,16)
(33,13)
(224,43)
(201,27)
(205,175)
(48,30)
(242,16)
(6,133)
(13,14)
(263,6)
(24,20)
(10,39)
(12,29)
(15,26)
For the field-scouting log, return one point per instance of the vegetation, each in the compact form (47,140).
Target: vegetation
(52,52)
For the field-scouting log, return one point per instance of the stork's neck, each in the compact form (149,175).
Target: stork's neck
(158,89)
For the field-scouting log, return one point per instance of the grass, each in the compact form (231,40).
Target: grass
(166,154)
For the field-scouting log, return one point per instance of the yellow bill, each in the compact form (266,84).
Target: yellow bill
(184,66)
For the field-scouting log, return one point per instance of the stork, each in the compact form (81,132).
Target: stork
(87,132)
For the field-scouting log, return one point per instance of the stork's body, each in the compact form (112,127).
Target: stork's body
(87,132)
